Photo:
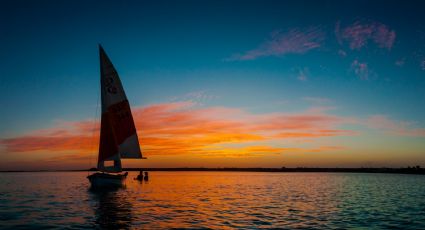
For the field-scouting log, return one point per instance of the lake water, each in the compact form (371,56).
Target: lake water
(215,200)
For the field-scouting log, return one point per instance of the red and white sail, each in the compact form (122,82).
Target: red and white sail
(118,136)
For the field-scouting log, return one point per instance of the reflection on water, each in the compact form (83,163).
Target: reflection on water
(216,200)
(112,211)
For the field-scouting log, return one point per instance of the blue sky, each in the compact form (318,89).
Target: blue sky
(362,58)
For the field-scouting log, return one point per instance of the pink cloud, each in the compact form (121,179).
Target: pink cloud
(401,128)
(361,69)
(360,33)
(294,41)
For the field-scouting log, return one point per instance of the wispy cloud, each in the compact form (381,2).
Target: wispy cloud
(197,97)
(184,128)
(358,34)
(303,74)
(400,128)
(294,41)
(361,69)
(318,100)
(318,133)
(342,53)
(400,62)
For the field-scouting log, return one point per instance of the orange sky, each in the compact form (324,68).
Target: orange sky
(186,134)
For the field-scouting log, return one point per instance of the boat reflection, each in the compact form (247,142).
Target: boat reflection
(111,208)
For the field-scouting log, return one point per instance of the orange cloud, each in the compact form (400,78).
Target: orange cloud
(249,151)
(184,128)
(319,133)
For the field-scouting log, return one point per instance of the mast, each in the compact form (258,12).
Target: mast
(118,136)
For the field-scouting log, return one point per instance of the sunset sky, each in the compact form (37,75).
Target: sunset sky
(217,83)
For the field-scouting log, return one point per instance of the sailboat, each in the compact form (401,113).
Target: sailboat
(118,135)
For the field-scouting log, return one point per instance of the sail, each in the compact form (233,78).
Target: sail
(118,136)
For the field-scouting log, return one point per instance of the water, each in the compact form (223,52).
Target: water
(215,200)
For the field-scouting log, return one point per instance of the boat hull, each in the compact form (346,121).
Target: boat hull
(107,180)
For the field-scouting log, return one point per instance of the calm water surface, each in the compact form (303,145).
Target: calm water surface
(215,200)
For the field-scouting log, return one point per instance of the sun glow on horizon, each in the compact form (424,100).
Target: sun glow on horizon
(203,133)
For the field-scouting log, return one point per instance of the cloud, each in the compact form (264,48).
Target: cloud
(294,41)
(306,122)
(318,100)
(185,128)
(342,53)
(303,73)
(361,69)
(399,128)
(358,34)
(249,151)
(318,133)
(400,62)
(252,151)
(197,97)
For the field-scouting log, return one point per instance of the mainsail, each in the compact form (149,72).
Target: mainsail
(118,136)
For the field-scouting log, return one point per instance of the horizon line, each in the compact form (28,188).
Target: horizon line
(402,170)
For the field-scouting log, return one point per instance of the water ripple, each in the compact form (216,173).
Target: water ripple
(214,200)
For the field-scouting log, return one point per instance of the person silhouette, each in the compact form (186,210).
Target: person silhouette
(146,176)
(140,176)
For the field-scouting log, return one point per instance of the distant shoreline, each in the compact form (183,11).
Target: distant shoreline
(409,170)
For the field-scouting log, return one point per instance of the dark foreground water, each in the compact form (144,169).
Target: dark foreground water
(216,200)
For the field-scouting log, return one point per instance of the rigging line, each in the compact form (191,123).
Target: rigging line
(95,121)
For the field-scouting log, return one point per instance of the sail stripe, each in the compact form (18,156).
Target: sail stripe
(107,146)
(121,121)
